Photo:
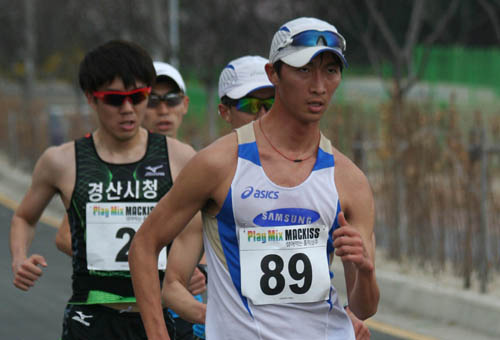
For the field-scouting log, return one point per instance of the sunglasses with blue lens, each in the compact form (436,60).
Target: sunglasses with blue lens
(313,37)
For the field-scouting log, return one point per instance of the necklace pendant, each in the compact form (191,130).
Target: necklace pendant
(297,160)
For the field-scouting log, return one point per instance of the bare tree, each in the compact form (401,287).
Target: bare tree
(222,31)
(29,77)
(492,9)
(173,8)
(390,32)
(158,12)
(380,38)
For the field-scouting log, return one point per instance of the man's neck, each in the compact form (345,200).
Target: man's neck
(113,150)
(289,132)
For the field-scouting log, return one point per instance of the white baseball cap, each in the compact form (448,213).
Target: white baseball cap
(242,76)
(324,37)
(164,69)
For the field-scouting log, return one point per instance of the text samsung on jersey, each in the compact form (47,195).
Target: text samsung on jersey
(260,194)
(286,217)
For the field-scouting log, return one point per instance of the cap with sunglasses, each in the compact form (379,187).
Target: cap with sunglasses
(167,70)
(242,76)
(300,40)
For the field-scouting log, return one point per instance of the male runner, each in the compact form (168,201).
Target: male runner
(246,94)
(276,198)
(239,108)
(167,105)
(108,181)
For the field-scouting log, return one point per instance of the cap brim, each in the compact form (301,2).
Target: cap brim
(305,55)
(242,91)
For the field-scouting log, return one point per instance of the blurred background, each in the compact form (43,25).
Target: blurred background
(418,109)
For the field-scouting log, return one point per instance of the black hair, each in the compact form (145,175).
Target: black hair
(339,62)
(169,82)
(116,58)
(228,101)
(279,64)
(277,67)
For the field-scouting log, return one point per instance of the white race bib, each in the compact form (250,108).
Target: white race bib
(110,229)
(284,264)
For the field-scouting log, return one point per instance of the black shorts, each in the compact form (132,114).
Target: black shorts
(183,329)
(90,322)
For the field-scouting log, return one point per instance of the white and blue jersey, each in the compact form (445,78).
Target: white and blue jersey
(268,252)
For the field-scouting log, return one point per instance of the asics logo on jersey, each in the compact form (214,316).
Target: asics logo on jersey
(153,171)
(259,194)
(286,217)
(247,192)
(81,318)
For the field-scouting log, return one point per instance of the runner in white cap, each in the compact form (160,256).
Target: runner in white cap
(245,92)
(278,201)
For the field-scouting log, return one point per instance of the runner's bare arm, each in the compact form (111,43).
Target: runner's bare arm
(179,154)
(181,266)
(353,240)
(46,182)
(198,282)
(63,237)
(196,184)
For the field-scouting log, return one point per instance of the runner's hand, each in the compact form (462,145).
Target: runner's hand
(361,331)
(27,272)
(197,285)
(349,245)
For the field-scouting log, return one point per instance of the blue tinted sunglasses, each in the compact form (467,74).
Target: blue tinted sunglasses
(313,37)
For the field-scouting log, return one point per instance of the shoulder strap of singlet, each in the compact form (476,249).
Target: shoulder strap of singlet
(246,134)
(325,144)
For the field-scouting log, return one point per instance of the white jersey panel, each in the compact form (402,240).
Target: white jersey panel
(283,259)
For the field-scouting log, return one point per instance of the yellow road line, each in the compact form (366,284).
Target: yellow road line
(394,331)
(7,202)
(11,204)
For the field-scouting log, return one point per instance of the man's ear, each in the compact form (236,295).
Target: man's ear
(272,75)
(185,102)
(91,100)
(225,113)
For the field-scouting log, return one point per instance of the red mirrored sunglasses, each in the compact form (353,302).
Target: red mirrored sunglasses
(116,98)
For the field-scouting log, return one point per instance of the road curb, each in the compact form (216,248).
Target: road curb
(431,300)
(14,184)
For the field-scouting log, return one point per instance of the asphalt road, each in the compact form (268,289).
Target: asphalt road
(38,313)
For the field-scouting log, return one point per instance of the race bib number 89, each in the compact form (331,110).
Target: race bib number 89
(284,264)
(110,229)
